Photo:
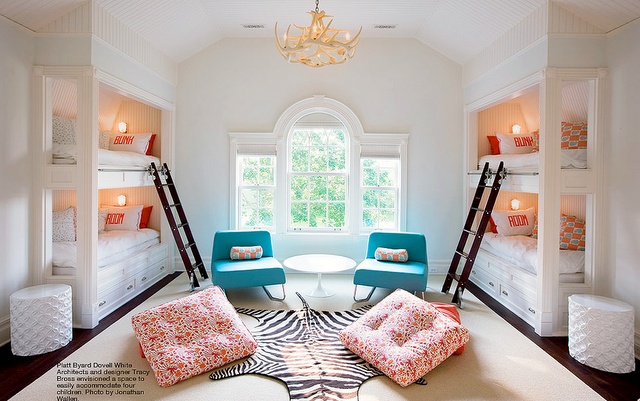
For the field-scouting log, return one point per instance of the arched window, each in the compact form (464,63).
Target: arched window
(318,172)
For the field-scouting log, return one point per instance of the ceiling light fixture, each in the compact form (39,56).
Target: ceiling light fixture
(317,45)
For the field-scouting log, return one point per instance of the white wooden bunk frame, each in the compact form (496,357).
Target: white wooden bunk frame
(541,300)
(96,291)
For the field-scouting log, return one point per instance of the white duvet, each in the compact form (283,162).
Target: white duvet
(113,246)
(522,251)
(569,158)
(67,154)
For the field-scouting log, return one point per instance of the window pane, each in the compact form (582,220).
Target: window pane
(299,188)
(300,138)
(336,138)
(267,176)
(299,214)
(387,177)
(249,205)
(387,219)
(336,159)
(266,198)
(318,159)
(369,219)
(336,214)
(337,188)
(387,199)
(369,177)
(318,214)
(265,217)
(300,159)
(250,176)
(318,188)
(318,137)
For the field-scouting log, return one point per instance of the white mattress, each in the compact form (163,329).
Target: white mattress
(522,251)
(113,246)
(66,154)
(569,158)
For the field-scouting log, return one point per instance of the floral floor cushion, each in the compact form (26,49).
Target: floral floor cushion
(404,336)
(192,335)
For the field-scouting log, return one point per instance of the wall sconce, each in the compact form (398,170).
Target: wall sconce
(515,129)
(122,200)
(515,204)
(122,127)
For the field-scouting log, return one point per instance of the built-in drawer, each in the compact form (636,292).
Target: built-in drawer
(151,275)
(112,298)
(517,302)
(485,281)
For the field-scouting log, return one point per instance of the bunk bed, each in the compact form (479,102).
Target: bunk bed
(509,265)
(110,259)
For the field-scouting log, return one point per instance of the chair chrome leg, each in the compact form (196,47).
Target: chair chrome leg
(415,293)
(271,297)
(355,290)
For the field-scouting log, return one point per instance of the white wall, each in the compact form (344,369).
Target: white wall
(391,85)
(623,168)
(16,58)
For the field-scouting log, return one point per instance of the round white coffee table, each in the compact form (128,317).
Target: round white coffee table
(319,263)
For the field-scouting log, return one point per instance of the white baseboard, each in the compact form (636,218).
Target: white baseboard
(5,330)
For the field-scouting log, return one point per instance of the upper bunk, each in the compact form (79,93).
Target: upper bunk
(127,139)
(509,131)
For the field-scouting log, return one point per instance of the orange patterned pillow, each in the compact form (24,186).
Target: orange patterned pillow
(192,335)
(245,252)
(404,336)
(574,135)
(572,233)
(391,255)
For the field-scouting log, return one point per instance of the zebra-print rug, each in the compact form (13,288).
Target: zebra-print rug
(301,348)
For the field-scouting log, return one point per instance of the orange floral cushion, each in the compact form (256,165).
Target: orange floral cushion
(192,335)
(404,336)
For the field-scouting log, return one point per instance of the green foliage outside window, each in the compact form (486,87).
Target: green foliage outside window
(257,191)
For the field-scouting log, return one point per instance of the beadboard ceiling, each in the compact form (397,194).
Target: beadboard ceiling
(459,29)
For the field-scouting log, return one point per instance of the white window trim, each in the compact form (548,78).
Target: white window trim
(357,137)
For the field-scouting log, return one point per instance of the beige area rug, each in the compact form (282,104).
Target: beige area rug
(499,363)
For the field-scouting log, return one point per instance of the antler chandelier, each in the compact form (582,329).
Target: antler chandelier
(317,45)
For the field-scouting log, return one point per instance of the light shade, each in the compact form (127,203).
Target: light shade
(122,127)
(122,200)
(515,129)
(317,45)
(515,204)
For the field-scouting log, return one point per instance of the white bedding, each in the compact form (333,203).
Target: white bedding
(66,154)
(113,246)
(522,251)
(569,158)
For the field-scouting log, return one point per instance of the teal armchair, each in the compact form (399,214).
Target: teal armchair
(410,276)
(227,273)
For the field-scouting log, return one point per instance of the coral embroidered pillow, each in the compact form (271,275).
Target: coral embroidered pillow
(451,311)
(391,255)
(573,136)
(245,252)
(515,143)
(123,218)
(63,226)
(192,335)
(138,143)
(572,233)
(513,222)
(404,336)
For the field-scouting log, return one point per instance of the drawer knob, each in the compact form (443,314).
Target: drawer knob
(505,293)
(162,267)
(532,310)
(129,287)
(102,303)
(491,284)
(143,278)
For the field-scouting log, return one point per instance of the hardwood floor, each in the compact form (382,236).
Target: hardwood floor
(17,372)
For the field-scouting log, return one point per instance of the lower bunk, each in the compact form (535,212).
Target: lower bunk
(129,261)
(506,269)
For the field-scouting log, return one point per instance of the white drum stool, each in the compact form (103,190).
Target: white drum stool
(41,319)
(601,333)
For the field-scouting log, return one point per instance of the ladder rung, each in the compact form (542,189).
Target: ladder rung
(182,225)
(469,231)
(189,245)
(463,254)
(175,205)
(477,209)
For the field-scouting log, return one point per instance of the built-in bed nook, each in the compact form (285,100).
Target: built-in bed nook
(102,230)
(540,246)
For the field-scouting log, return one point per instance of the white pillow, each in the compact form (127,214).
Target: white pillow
(513,222)
(104,137)
(123,218)
(138,143)
(516,144)
(102,219)
(63,227)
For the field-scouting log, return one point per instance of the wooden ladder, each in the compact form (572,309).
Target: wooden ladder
(180,225)
(464,250)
